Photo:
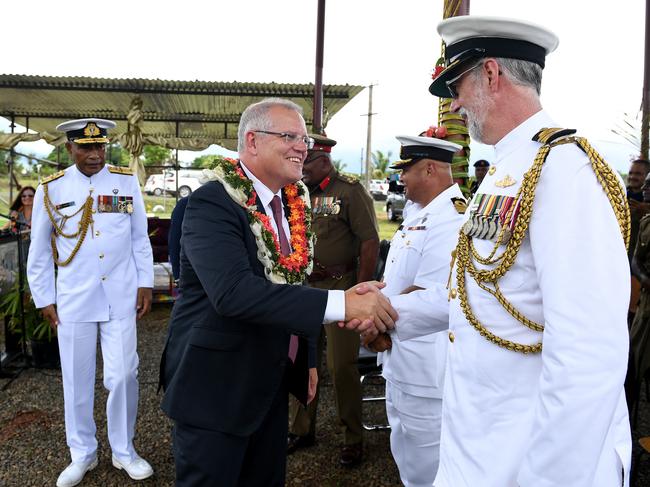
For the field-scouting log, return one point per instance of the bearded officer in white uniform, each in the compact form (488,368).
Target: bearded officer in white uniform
(538,334)
(419,258)
(90,222)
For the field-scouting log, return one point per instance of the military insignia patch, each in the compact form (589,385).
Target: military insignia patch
(115,204)
(460,205)
(91,130)
(505,182)
(53,177)
(120,170)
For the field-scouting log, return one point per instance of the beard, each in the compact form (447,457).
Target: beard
(475,116)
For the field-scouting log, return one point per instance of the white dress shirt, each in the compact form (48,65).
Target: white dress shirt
(335,309)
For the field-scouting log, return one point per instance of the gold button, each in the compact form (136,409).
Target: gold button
(453,293)
(97,233)
(94,210)
(451,337)
(101,256)
(408,242)
(492,170)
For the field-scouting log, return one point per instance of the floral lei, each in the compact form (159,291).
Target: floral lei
(279,269)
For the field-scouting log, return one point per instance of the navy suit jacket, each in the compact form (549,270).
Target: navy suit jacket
(227,346)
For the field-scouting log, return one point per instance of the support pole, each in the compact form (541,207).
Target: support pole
(645,103)
(317,124)
(369,139)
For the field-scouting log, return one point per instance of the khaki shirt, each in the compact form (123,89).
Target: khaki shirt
(343,217)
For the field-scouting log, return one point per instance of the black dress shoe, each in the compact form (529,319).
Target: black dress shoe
(351,455)
(295,442)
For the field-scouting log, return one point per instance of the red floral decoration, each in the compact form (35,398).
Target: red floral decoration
(438,68)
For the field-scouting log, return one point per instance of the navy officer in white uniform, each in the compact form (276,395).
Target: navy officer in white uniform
(89,223)
(419,258)
(538,298)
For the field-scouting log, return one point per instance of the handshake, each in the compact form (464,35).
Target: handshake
(368,311)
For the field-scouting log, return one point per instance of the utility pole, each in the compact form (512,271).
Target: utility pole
(645,103)
(317,124)
(369,138)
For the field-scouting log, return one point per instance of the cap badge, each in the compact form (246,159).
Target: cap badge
(91,130)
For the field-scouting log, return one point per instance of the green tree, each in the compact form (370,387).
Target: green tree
(154,155)
(64,157)
(205,161)
(381,162)
(339,165)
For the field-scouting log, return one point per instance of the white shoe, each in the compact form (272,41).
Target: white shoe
(138,469)
(74,473)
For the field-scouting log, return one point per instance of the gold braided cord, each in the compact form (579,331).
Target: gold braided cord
(85,222)
(466,253)
(611,185)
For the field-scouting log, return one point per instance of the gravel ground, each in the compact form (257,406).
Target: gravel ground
(32,436)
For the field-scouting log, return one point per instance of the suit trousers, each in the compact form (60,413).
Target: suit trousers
(342,356)
(78,347)
(414,435)
(205,458)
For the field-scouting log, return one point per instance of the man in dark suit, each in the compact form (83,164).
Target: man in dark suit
(231,335)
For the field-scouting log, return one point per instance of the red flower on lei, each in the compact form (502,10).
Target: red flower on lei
(293,266)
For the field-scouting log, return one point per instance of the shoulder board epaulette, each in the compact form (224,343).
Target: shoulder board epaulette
(460,204)
(548,135)
(348,179)
(52,177)
(120,170)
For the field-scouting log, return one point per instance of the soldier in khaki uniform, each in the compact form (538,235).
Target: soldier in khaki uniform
(347,244)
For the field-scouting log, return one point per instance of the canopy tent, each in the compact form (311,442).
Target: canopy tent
(186,115)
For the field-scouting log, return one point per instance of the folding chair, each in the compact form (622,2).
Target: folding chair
(368,369)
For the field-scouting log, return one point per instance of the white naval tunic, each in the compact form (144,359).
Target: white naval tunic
(558,418)
(95,296)
(114,260)
(414,369)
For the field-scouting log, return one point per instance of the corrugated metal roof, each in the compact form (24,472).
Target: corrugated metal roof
(193,108)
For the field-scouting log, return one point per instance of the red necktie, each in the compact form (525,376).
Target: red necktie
(276,206)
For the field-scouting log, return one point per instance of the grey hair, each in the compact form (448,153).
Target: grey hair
(523,73)
(256,117)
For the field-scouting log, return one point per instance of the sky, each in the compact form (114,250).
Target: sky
(590,82)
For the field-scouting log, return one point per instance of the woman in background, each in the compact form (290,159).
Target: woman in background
(21,210)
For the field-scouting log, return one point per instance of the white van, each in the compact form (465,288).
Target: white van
(188,181)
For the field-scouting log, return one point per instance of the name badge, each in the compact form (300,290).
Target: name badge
(115,204)
(65,205)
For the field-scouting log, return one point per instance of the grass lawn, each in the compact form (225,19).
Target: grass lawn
(387,228)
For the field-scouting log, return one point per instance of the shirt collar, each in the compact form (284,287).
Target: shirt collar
(92,178)
(263,193)
(522,134)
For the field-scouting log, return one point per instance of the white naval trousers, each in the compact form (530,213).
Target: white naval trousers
(77,347)
(414,435)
